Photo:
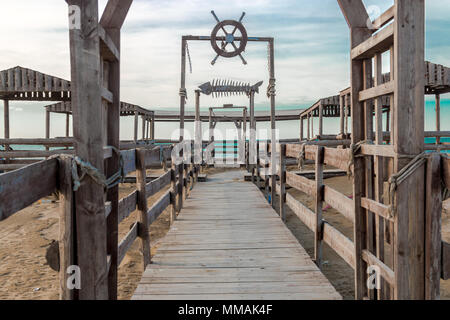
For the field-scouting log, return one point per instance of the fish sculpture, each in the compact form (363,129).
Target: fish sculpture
(219,88)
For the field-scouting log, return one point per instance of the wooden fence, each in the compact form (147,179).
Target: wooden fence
(437,252)
(19,190)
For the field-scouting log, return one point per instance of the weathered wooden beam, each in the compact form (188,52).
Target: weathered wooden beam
(355,13)
(433,227)
(409,38)
(127,206)
(157,185)
(126,243)
(87,115)
(115,13)
(66,227)
(43,174)
(144,232)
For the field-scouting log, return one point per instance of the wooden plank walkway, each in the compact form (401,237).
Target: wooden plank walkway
(228,243)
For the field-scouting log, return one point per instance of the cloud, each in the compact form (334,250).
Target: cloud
(311,46)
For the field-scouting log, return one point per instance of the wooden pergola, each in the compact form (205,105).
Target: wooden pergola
(437,82)
(126,110)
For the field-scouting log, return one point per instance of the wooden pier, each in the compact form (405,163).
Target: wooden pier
(228,243)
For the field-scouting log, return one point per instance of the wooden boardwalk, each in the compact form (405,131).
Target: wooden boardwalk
(228,243)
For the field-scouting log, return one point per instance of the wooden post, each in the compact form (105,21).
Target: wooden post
(141,179)
(379,170)
(309,127)
(273,140)
(136,125)
(67,125)
(143,127)
(318,234)
(174,192)
(357,17)
(112,21)
(347,103)
(87,115)
(152,128)
(433,223)
(47,127)
(321,119)
(342,113)
(282,175)
(211,134)
(301,128)
(6,121)
(253,145)
(409,38)
(67,229)
(438,117)
(183,87)
(198,131)
(312,125)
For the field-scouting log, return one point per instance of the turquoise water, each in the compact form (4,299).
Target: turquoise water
(30,123)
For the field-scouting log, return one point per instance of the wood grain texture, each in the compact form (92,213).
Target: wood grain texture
(231,245)
(18,188)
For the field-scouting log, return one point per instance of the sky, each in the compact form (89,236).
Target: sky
(311,49)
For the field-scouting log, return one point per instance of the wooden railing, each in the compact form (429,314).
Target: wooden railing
(437,261)
(16,159)
(23,187)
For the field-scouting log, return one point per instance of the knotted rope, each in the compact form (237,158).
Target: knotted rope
(183,93)
(355,148)
(271,88)
(302,156)
(396,179)
(98,177)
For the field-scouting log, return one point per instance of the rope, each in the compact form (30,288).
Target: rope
(302,156)
(183,93)
(396,179)
(354,149)
(98,177)
(271,88)
(189,58)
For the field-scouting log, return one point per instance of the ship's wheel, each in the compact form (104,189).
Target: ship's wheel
(229,32)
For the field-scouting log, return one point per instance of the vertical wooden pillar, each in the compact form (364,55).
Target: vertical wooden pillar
(321,119)
(318,234)
(67,124)
(182,87)
(152,128)
(357,18)
(342,113)
(433,223)
(47,127)
(282,175)
(409,44)
(6,121)
(6,118)
(301,129)
(273,140)
(198,131)
(309,127)
(67,229)
(438,117)
(173,193)
(141,179)
(348,106)
(87,114)
(253,145)
(136,125)
(312,125)
(143,127)
(379,168)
